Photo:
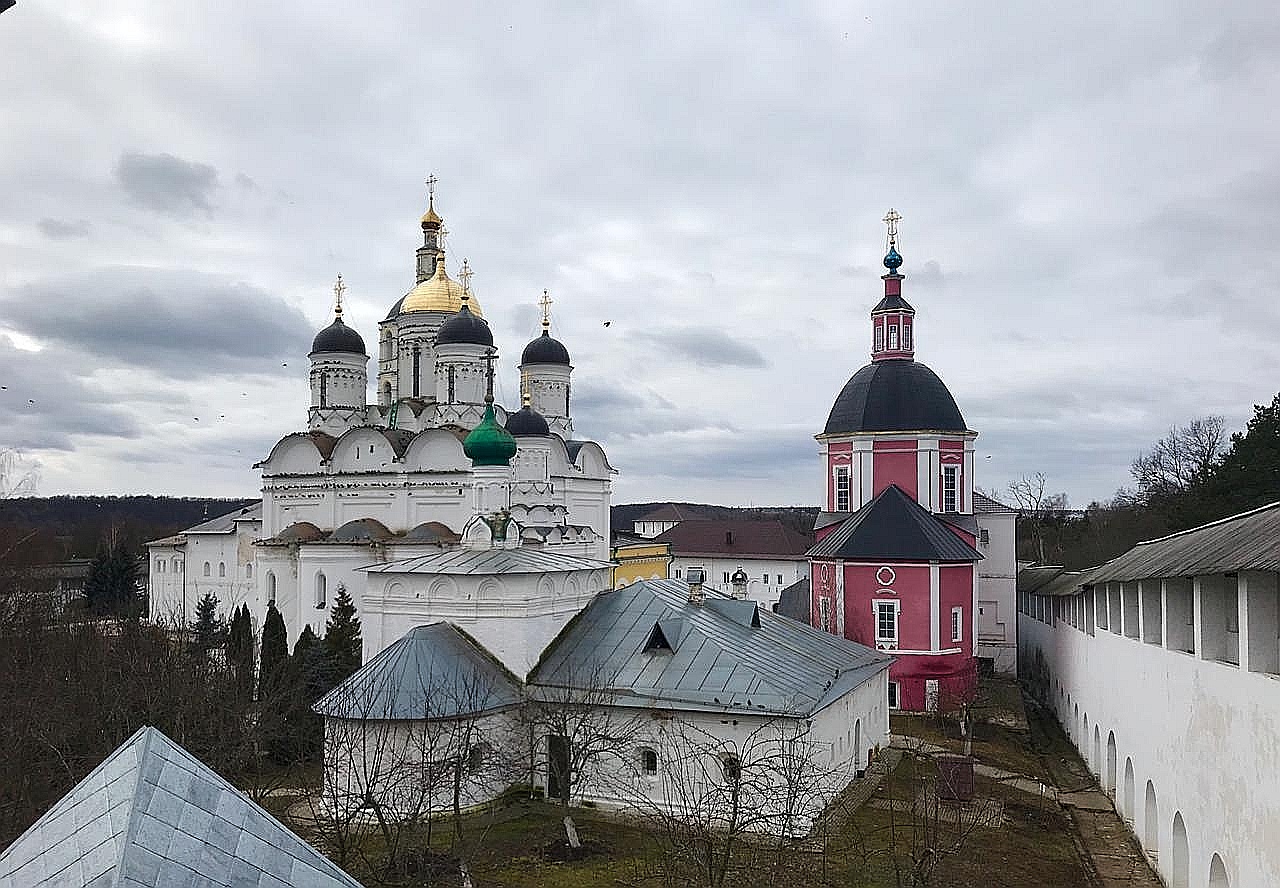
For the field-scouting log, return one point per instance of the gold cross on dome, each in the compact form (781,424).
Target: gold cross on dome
(545,302)
(892,218)
(431,187)
(464,275)
(338,289)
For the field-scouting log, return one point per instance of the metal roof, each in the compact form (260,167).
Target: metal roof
(894,396)
(1248,541)
(985,504)
(433,671)
(727,655)
(152,814)
(227,523)
(894,526)
(1053,580)
(491,561)
(735,538)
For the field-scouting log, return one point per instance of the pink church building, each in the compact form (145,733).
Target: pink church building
(895,562)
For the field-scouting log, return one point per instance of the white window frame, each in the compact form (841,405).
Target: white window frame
(843,474)
(957,624)
(879,337)
(951,474)
(824,611)
(893,337)
(885,605)
(645,753)
(906,336)
(322,590)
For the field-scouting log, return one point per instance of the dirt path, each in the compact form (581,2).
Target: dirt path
(1106,845)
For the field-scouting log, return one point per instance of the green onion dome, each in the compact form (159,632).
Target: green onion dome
(489,444)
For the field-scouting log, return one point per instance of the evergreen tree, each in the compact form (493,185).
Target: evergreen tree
(275,652)
(1247,476)
(240,649)
(208,628)
(342,636)
(111,589)
(313,670)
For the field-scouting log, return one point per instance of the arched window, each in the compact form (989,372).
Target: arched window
(248,570)
(1181,854)
(1151,821)
(176,566)
(207,569)
(648,761)
(476,756)
(1111,763)
(159,565)
(321,590)
(1130,802)
(1218,873)
(271,588)
(222,568)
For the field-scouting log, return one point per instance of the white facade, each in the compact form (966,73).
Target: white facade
(1169,690)
(766,577)
(998,589)
(216,556)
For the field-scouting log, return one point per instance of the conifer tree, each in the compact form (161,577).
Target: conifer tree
(208,628)
(313,669)
(275,652)
(342,636)
(111,589)
(240,649)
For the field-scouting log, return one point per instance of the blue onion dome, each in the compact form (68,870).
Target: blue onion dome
(526,421)
(465,327)
(489,444)
(545,350)
(893,260)
(338,337)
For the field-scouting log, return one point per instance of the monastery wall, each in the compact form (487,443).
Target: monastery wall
(1182,744)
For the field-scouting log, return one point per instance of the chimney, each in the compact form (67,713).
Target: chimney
(696,577)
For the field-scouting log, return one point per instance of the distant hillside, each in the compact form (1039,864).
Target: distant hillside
(73,526)
(798,518)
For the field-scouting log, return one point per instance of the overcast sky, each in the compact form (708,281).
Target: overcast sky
(1090,197)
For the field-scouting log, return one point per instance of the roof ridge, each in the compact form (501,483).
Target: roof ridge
(1206,526)
(148,733)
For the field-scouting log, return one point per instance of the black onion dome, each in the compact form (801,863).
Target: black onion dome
(527,421)
(338,337)
(545,350)
(465,327)
(894,396)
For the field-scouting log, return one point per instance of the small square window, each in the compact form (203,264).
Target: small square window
(984,536)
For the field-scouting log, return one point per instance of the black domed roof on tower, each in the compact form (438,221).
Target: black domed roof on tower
(894,396)
(545,350)
(465,327)
(526,421)
(338,337)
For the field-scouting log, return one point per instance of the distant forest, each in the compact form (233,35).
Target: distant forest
(63,527)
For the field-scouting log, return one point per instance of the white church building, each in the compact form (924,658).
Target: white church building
(474,542)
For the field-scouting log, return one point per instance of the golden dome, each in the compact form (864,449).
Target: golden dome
(438,293)
(430,219)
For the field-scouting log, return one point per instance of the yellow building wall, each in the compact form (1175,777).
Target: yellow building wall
(640,561)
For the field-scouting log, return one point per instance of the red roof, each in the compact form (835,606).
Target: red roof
(742,537)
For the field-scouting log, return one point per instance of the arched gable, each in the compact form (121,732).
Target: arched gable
(301,453)
(558,461)
(363,449)
(592,462)
(436,450)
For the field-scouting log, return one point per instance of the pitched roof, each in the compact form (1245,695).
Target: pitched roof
(1052,580)
(985,504)
(725,654)
(1248,541)
(433,671)
(741,537)
(227,523)
(795,601)
(491,561)
(152,814)
(894,526)
(672,512)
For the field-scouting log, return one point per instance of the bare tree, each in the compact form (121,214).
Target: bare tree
(1178,460)
(18,476)
(730,804)
(1037,506)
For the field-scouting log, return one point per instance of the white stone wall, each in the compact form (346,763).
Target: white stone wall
(231,574)
(1198,736)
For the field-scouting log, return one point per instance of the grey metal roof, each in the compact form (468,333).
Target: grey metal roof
(153,815)
(894,396)
(1248,541)
(1053,580)
(491,561)
(894,526)
(985,504)
(796,602)
(227,523)
(720,660)
(433,671)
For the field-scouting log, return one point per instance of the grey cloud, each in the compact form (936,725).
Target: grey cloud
(180,323)
(62,229)
(705,346)
(44,405)
(167,184)
(718,453)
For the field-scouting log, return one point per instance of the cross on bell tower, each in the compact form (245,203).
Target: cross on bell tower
(545,302)
(893,319)
(338,289)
